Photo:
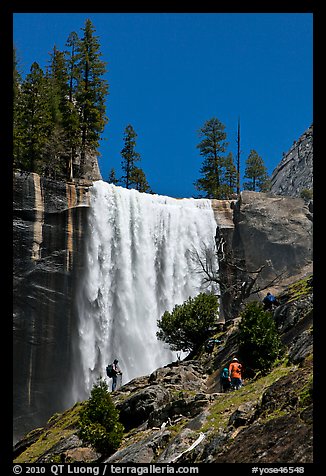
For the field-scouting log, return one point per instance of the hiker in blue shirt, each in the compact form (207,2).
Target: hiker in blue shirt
(269,301)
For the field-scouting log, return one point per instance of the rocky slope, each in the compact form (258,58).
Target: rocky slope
(294,174)
(178,414)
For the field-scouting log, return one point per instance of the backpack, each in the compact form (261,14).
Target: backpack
(225,373)
(109,370)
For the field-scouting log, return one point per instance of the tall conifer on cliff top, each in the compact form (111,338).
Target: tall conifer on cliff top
(91,91)
(256,172)
(35,119)
(129,155)
(212,147)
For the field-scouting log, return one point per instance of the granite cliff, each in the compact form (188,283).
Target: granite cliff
(261,229)
(294,174)
(48,227)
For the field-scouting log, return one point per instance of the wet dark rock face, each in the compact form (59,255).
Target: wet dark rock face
(48,234)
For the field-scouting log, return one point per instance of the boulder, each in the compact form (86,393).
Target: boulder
(143,451)
(136,409)
(271,232)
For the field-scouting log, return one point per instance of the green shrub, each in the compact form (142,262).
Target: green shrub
(188,326)
(259,341)
(306,194)
(99,421)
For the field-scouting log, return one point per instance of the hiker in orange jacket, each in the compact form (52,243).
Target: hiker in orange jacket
(235,372)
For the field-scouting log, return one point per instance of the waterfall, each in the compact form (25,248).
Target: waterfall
(138,265)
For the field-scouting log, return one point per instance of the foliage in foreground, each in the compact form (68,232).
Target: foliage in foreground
(259,341)
(99,421)
(188,325)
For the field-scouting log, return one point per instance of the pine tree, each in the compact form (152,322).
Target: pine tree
(61,115)
(256,172)
(55,153)
(71,55)
(35,119)
(91,92)
(230,177)
(99,421)
(112,177)
(238,158)
(71,119)
(18,133)
(139,181)
(211,147)
(129,155)
(58,78)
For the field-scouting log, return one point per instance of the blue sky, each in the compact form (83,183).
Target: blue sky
(170,72)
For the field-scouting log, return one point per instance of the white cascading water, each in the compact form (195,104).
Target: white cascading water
(138,265)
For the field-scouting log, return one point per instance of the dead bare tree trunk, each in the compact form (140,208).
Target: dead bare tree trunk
(239,282)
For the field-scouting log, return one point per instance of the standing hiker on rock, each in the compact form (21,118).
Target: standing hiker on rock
(112,371)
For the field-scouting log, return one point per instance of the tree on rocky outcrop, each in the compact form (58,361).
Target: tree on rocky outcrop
(99,421)
(129,155)
(59,116)
(139,181)
(238,158)
(18,132)
(189,324)
(71,119)
(91,91)
(35,120)
(229,178)
(134,177)
(72,71)
(112,177)
(55,154)
(212,148)
(257,174)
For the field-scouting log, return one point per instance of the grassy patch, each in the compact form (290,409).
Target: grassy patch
(305,396)
(59,427)
(222,409)
(299,289)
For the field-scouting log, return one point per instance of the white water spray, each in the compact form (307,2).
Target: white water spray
(138,265)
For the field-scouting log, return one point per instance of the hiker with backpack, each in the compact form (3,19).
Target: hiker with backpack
(112,371)
(269,301)
(235,372)
(225,380)
(210,343)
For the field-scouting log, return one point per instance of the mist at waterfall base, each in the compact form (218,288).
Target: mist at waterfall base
(139,264)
